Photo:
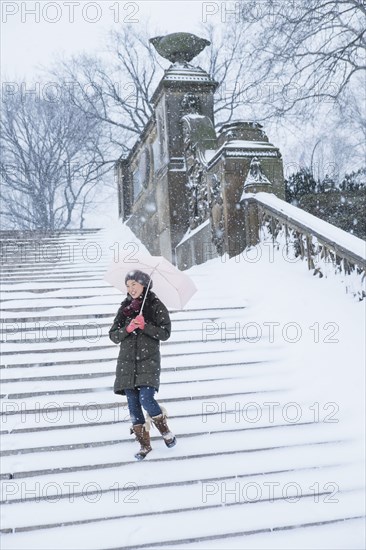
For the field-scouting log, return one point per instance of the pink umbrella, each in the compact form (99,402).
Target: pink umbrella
(171,285)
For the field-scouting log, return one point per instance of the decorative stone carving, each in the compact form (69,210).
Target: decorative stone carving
(145,166)
(191,104)
(161,136)
(217,214)
(256,180)
(179,47)
(198,134)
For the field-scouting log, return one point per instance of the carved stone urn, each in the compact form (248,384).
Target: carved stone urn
(179,47)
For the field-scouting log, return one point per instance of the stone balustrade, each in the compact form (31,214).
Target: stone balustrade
(328,250)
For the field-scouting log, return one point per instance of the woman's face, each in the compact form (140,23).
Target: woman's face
(134,288)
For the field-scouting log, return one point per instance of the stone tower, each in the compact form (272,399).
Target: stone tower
(180,186)
(171,102)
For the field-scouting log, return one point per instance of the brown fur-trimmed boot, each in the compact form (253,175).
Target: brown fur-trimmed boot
(143,437)
(161,423)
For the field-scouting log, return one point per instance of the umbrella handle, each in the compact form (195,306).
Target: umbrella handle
(147,289)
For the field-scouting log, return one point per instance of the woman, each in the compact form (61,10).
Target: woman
(138,364)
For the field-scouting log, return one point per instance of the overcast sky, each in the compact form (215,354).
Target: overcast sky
(33,33)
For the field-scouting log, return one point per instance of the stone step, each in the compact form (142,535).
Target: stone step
(80,275)
(103,398)
(55,316)
(16,306)
(322,535)
(39,240)
(187,490)
(196,417)
(308,452)
(230,411)
(212,314)
(20,234)
(329,530)
(69,266)
(93,362)
(100,341)
(86,370)
(44,296)
(225,356)
(51,330)
(57,251)
(180,375)
(94,290)
(249,406)
(278,458)
(56,388)
(207,522)
(225,442)
(183,481)
(51,279)
(46,286)
(10,248)
(73,268)
(85,312)
(96,338)
(180,427)
(52,274)
(40,364)
(211,322)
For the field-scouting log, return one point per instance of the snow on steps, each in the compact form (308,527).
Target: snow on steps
(87,383)
(214,521)
(73,475)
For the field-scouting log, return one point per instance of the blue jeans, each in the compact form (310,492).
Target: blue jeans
(142,397)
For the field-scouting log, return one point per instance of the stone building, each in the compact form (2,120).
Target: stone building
(180,188)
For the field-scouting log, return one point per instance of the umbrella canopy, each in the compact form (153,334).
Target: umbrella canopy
(171,285)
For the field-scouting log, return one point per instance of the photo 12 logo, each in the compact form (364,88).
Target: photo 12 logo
(72,491)
(69,12)
(269,331)
(235,492)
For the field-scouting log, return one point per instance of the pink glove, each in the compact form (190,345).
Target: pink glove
(140,321)
(131,327)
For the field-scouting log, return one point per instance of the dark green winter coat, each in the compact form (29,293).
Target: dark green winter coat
(138,361)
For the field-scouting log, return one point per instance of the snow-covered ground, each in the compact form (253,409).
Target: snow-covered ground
(267,401)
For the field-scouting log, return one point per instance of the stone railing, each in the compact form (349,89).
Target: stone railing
(328,250)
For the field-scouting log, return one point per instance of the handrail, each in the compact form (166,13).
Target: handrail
(316,240)
(355,254)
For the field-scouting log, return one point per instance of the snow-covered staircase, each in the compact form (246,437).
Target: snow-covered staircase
(244,467)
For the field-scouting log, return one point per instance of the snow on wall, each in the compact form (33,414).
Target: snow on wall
(338,236)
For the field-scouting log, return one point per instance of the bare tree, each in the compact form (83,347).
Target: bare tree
(52,159)
(230,60)
(315,49)
(115,92)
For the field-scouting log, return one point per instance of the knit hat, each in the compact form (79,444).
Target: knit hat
(139,277)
